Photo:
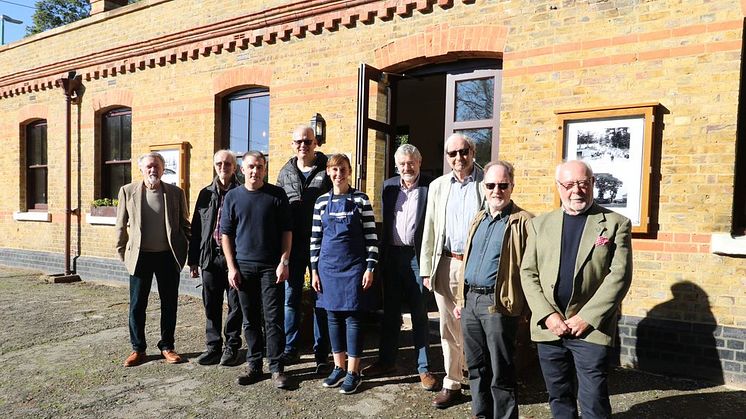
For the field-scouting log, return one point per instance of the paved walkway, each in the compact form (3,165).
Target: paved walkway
(62,347)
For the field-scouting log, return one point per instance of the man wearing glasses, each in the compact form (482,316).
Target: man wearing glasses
(575,274)
(304,179)
(452,202)
(489,299)
(206,252)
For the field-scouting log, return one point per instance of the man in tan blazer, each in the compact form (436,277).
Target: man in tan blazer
(575,274)
(452,201)
(152,238)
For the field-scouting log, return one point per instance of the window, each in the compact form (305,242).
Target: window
(36,166)
(473,109)
(116,151)
(246,122)
(738,225)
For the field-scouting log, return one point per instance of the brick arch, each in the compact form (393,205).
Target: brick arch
(111,98)
(441,43)
(241,76)
(31,112)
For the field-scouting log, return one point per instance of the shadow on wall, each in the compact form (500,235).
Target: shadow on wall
(677,337)
(724,405)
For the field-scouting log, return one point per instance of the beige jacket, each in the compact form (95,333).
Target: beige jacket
(509,299)
(178,228)
(434,231)
(603,273)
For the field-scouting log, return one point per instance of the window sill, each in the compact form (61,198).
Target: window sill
(724,244)
(96,220)
(43,216)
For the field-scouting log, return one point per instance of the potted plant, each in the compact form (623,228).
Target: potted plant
(104,207)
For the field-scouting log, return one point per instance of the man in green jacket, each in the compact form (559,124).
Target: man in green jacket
(575,274)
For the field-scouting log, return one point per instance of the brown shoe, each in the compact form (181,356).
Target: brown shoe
(377,369)
(446,398)
(135,359)
(171,356)
(428,381)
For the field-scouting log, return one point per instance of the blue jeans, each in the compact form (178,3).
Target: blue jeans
(261,297)
(402,283)
(564,361)
(164,267)
(299,261)
(345,331)
(489,346)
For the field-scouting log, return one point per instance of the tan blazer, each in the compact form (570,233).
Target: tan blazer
(509,299)
(434,231)
(129,224)
(603,273)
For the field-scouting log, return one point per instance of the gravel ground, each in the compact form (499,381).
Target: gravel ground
(63,345)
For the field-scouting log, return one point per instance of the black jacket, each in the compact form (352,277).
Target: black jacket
(201,246)
(302,193)
(391,188)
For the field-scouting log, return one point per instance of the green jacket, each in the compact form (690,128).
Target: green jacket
(603,273)
(509,299)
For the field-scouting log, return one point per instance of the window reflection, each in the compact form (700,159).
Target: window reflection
(483,139)
(474,99)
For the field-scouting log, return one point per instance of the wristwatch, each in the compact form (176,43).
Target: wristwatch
(371,269)
(285,262)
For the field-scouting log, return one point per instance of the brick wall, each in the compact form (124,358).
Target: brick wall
(169,60)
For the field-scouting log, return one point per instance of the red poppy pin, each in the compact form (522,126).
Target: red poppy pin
(601,241)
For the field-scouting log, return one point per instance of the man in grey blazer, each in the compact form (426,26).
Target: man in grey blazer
(452,202)
(575,274)
(153,233)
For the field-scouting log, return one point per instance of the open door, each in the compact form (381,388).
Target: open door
(375,90)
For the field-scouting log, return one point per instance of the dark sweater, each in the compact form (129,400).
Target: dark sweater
(572,231)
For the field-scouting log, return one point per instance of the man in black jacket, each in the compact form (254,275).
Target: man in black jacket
(205,252)
(304,179)
(404,204)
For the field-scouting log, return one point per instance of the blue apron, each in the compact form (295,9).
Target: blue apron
(342,257)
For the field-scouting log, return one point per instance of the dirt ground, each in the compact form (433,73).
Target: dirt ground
(62,348)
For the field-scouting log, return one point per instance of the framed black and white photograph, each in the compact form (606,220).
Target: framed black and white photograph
(175,156)
(616,142)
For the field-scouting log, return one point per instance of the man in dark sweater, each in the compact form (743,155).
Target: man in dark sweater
(304,179)
(575,274)
(256,236)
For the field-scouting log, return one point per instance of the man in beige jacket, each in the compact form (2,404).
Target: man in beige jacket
(153,233)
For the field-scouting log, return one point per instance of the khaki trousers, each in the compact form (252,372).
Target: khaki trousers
(451,339)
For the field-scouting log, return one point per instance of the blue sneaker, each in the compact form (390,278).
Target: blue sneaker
(351,383)
(335,378)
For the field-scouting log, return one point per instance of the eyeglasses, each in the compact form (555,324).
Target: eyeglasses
(582,184)
(223,163)
(304,142)
(501,186)
(463,152)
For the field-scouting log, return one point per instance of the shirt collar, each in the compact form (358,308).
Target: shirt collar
(467,179)
(414,185)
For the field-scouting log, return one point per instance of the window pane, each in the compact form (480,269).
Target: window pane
(115,176)
(483,139)
(37,186)
(474,99)
(126,145)
(111,141)
(259,124)
(36,144)
(238,135)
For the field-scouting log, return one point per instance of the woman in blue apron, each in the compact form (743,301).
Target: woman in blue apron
(344,254)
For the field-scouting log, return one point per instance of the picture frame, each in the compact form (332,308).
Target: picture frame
(175,172)
(617,142)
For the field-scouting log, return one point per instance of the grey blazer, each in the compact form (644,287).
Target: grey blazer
(129,224)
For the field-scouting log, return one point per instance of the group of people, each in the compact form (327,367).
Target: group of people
(488,261)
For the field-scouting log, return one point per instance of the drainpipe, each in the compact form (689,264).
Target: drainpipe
(72,88)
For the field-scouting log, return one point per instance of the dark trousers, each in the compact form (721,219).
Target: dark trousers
(164,267)
(489,346)
(345,331)
(566,360)
(402,283)
(260,295)
(299,261)
(214,286)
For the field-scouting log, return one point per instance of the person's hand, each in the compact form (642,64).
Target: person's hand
(577,325)
(315,282)
(457,312)
(281,272)
(194,271)
(367,279)
(234,278)
(556,324)
(426,282)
